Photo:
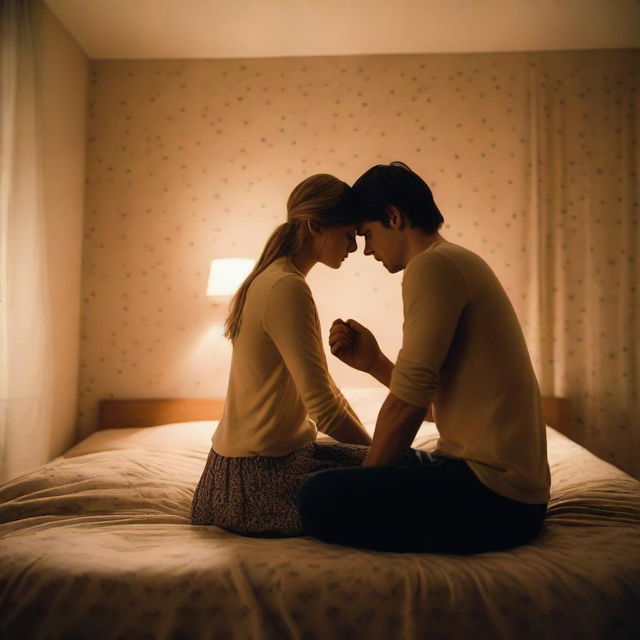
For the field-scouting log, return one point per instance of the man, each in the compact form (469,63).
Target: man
(463,354)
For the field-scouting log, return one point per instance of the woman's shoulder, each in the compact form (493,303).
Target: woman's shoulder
(289,284)
(282,280)
(286,294)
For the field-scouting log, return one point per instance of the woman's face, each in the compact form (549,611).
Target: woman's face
(334,244)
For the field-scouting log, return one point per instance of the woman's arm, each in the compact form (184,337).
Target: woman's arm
(350,431)
(291,321)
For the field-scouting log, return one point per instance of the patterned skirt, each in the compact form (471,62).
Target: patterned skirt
(255,495)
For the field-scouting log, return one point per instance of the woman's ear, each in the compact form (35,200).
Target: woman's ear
(314,228)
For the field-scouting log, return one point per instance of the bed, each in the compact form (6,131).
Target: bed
(97,544)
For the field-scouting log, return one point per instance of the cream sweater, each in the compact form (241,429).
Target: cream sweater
(463,349)
(280,391)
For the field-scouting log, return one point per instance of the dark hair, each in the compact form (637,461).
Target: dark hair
(398,185)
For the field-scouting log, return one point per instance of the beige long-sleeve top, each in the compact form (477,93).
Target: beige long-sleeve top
(463,349)
(280,391)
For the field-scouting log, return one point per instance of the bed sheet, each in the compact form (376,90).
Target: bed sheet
(97,544)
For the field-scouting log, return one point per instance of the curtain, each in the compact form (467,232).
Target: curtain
(583,229)
(25,347)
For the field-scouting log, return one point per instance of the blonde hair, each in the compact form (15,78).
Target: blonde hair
(321,199)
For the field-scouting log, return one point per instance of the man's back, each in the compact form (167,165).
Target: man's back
(463,349)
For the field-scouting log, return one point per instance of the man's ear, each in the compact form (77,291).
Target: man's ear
(314,228)
(395,217)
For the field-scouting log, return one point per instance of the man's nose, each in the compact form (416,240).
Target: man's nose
(367,249)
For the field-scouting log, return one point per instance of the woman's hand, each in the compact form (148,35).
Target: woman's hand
(354,344)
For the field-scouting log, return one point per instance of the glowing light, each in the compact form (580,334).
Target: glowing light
(227,274)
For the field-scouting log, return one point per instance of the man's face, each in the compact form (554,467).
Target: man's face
(383,243)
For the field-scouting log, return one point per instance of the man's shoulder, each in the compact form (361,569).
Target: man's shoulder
(446,266)
(444,256)
(454,251)
(450,255)
(432,269)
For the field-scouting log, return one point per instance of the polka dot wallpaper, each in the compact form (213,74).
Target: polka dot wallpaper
(532,158)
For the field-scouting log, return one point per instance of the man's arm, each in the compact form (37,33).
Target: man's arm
(382,370)
(396,427)
(356,346)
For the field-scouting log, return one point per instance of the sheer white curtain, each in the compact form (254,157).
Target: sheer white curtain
(583,230)
(25,362)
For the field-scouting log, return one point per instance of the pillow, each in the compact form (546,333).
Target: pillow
(366,402)
(179,435)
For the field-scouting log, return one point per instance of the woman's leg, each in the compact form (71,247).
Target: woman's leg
(255,496)
(437,505)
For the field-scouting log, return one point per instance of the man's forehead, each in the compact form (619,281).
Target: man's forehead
(362,228)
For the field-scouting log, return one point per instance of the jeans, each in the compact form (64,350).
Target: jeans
(426,503)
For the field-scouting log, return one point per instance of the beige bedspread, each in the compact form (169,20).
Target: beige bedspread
(98,545)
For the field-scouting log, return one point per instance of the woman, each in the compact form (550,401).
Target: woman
(280,391)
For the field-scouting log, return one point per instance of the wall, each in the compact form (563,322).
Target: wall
(64,89)
(194,159)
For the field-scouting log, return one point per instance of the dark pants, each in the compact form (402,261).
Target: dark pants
(428,503)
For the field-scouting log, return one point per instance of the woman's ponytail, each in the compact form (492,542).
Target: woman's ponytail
(321,199)
(283,241)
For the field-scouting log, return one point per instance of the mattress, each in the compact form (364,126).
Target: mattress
(97,544)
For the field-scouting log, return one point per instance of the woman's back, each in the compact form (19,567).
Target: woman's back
(280,391)
(279,386)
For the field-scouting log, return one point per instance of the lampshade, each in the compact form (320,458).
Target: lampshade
(227,274)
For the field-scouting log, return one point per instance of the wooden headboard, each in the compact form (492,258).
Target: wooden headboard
(121,414)
(114,414)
